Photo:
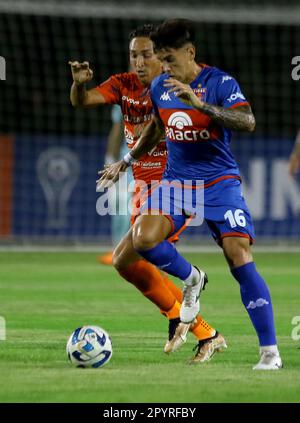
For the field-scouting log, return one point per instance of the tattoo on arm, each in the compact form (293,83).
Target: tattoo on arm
(239,119)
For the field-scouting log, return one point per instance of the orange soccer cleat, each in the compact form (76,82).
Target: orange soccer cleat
(106,259)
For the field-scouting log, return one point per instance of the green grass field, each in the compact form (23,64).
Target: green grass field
(45,296)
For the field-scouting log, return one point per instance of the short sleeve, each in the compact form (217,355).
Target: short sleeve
(229,93)
(110,89)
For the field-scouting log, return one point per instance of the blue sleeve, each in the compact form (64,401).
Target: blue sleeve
(228,92)
(116,114)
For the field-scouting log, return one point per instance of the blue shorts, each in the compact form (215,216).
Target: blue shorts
(220,205)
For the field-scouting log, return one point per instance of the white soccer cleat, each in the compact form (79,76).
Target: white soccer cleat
(269,361)
(190,305)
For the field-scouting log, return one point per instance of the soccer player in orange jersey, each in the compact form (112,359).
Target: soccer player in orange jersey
(131,91)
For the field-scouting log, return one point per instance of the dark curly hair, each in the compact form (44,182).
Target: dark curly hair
(142,31)
(173,33)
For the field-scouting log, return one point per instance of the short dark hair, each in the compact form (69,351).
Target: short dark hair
(142,31)
(173,33)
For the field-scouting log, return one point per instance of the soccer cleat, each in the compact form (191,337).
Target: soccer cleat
(206,348)
(269,361)
(190,305)
(177,335)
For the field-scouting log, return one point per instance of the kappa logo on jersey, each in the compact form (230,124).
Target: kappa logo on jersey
(182,122)
(165,96)
(258,303)
(235,96)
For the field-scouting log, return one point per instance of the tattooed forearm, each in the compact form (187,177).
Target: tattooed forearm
(239,119)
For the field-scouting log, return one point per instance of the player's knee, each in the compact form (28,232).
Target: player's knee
(120,257)
(117,260)
(143,239)
(237,251)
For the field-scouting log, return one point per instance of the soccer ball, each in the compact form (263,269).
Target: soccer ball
(89,346)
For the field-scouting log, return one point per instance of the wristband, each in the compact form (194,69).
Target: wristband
(128,159)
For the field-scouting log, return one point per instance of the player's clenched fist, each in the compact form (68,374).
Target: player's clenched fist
(81,72)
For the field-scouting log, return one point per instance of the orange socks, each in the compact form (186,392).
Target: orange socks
(148,279)
(201,329)
(172,287)
(174,312)
(163,293)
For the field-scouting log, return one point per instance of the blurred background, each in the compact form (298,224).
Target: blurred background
(50,152)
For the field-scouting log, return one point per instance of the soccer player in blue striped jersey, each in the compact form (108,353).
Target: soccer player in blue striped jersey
(197,106)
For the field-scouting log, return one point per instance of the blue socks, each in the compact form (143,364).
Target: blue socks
(166,257)
(254,291)
(257,301)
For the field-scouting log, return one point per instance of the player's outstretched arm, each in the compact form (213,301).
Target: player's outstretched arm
(240,119)
(294,160)
(110,174)
(150,137)
(79,95)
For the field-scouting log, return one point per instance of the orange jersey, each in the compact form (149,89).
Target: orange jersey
(126,90)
